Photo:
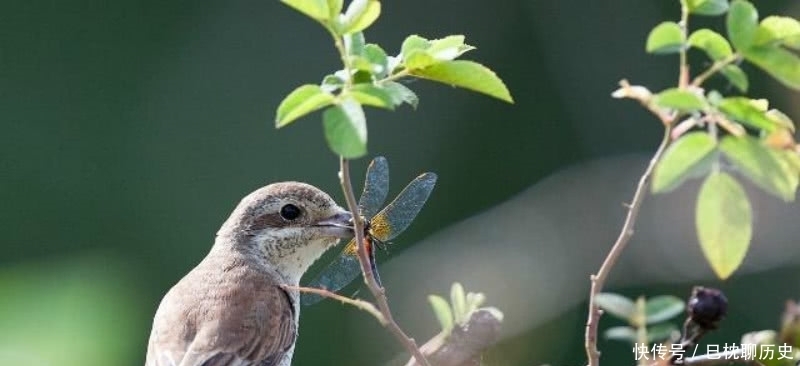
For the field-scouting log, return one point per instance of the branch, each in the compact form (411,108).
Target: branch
(364,261)
(464,344)
(361,304)
(599,280)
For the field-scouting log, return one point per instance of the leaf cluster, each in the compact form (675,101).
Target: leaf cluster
(647,319)
(459,310)
(714,134)
(371,77)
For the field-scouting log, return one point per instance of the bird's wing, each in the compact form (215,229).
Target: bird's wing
(247,321)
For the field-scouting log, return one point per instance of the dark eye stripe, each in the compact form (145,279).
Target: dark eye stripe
(269,220)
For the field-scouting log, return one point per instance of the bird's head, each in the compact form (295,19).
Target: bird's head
(286,225)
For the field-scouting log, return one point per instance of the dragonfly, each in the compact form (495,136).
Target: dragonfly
(380,227)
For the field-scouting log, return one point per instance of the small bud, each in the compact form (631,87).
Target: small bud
(637,92)
(707,307)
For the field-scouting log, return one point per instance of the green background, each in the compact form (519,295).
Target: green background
(132,128)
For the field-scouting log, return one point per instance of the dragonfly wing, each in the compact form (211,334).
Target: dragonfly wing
(396,217)
(376,187)
(336,275)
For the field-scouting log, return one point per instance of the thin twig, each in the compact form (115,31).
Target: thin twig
(716,67)
(645,98)
(683,73)
(337,41)
(364,258)
(598,280)
(361,304)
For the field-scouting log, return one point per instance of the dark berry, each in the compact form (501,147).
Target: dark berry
(707,307)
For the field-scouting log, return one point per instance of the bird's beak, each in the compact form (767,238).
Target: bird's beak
(338,225)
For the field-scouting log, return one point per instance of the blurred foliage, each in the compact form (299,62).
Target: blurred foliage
(647,318)
(70,311)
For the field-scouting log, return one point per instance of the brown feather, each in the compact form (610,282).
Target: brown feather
(225,309)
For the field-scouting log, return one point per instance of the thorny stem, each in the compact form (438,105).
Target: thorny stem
(364,258)
(599,280)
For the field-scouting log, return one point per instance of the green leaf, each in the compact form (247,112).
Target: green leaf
(747,112)
(335,7)
(475,300)
(361,77)
(354,43)
(660,332)
(742,22)
(712,43)
(761,165)
(736,76)
(680,159)
(316,9)
(377,56)
(346,129)
(790,161)
(442,311)
(661,308)
(724,223)
(707,7)
(448,48)
(458,301)
(371,95)
(778,62)
(714,97)
(666,37)
(413,42)
(331,83)
(780,119)
(621,333)
(401,94)
(466,74)
(616,305)
(301,101)
(679,99)
(418,59)
(360,15)
(777,30)
(361,63)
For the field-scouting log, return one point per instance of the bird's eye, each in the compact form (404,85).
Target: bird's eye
(290,212)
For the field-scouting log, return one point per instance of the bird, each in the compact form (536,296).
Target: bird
(231,309)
